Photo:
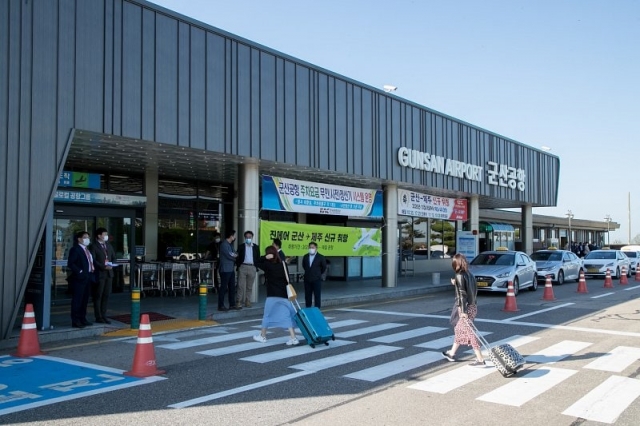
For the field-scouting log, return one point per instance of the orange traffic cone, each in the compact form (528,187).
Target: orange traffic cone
(608,283)
(637,273)
(144,359)
(510,302)
(582,284)
(28,345)
(623,276)
(548,290)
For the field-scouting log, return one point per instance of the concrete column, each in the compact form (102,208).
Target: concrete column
(151,214)
(526,229)
(474,217)
(248,209)
(390,237)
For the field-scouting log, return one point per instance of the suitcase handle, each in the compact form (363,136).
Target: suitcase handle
(480,337)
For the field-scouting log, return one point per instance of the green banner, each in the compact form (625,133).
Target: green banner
(331,240)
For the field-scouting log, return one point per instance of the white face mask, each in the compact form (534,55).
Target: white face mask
(217,240)
(247,240)
(86,241)
(312,251)
(105,238)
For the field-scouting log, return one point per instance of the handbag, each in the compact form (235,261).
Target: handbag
(291,292)
(455,315)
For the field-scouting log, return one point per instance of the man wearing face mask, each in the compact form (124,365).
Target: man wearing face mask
(248,255)
(213,254)
(80,263)
(104,257)
(227,271)
(315,268)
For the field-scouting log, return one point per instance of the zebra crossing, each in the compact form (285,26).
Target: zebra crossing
(602,403)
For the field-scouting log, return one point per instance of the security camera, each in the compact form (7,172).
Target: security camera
(389,88)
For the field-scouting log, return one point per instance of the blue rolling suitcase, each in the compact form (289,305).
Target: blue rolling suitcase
(313,325)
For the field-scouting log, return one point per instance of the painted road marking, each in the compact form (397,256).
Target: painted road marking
(616,360)
(607,401)
(345,323)
(392,338)
(368,330)
(502,322)
(240,389)
(564,305)
(514,341)
(635,287)
(527,387)
(443,342)
(557,352)
(446,382)
(248,346)
(398,366)
(208,340)
(333,361)
(27,383)
(293,352)
(601,295)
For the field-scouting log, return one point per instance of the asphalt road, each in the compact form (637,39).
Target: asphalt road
(384,368)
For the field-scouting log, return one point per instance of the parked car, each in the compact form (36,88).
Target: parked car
(560,264)
(494,269)
(597,262)
(634,258)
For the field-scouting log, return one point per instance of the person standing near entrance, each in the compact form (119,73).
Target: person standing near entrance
(248,255)
(315,269)
(227,271)
(104,257)
(80,263)
(213,254)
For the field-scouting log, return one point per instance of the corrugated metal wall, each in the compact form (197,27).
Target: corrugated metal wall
(132,69)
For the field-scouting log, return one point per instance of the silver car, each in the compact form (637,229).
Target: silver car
(598,262)
(634,258)
(494,269)
(560,264)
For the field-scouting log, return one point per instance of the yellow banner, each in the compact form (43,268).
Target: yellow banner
(331,240)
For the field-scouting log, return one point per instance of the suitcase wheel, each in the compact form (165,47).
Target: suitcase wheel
(326,343)
(333,337)
(312,346)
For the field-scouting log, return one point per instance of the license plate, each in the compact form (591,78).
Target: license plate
(593,270)
(482,284)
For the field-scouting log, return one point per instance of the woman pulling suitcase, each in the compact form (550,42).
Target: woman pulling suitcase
(278,311)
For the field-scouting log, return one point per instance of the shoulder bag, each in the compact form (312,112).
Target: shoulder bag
(291,292)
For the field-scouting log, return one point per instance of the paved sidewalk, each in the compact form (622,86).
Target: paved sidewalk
(184,309)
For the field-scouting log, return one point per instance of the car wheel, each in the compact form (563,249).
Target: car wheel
(560,277)
(617,273)
(516,286)
(534,286)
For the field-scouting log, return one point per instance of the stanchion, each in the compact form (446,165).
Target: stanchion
(623,276)
(202,312)
(135,308)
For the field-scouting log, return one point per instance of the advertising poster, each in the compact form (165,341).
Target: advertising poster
(423,205)
(331,240)
(466,244)
(299,196)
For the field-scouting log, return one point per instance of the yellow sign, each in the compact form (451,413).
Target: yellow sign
(331,240)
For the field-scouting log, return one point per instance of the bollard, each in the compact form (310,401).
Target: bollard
(135,308)
(202,312)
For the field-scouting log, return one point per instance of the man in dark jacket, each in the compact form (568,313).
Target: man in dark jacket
(315,269)
(80,263)
(248,255)
(104,259)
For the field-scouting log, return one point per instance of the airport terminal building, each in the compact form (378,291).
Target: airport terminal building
(164,130)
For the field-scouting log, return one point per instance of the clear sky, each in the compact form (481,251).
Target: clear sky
(558,73)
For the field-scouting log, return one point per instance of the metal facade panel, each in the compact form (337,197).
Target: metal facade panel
(165,70)
(217,114)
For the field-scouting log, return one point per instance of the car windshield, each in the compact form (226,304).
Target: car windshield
(601,255)
(544,256)
(494,259)
(631,253)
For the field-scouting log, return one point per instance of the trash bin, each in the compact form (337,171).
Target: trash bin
(435,278)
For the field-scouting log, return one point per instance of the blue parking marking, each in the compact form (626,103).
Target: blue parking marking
(42,380)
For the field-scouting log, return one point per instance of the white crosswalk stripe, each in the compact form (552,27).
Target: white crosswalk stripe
(453,379)
(527,387)
(515,341)
(409,334)
(294,352)
(616,360)
(243,347)
(398,366)
(208,340)
(607,401)
(557,352)
(444,342)
(346,358)
(368,330)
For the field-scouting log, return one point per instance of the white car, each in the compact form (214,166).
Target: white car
(598,262)
(634,258)
(560,265)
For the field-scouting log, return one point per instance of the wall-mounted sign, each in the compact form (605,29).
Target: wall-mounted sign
(331,240)
(505,176)
(99,198)
(422,205)
(466,244)
(299,196)
(79,180)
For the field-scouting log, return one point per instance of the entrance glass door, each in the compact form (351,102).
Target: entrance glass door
(64,230)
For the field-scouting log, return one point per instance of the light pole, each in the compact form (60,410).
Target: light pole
(570,216)
(607,218)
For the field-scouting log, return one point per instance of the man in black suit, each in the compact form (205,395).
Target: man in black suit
(80,263)
(248,255)
(315,268)
(104,257)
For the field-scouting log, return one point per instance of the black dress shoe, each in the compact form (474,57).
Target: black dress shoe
(106,321)
(85,322)
(101,321)
(77,325)
(237,307)
(223,309)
